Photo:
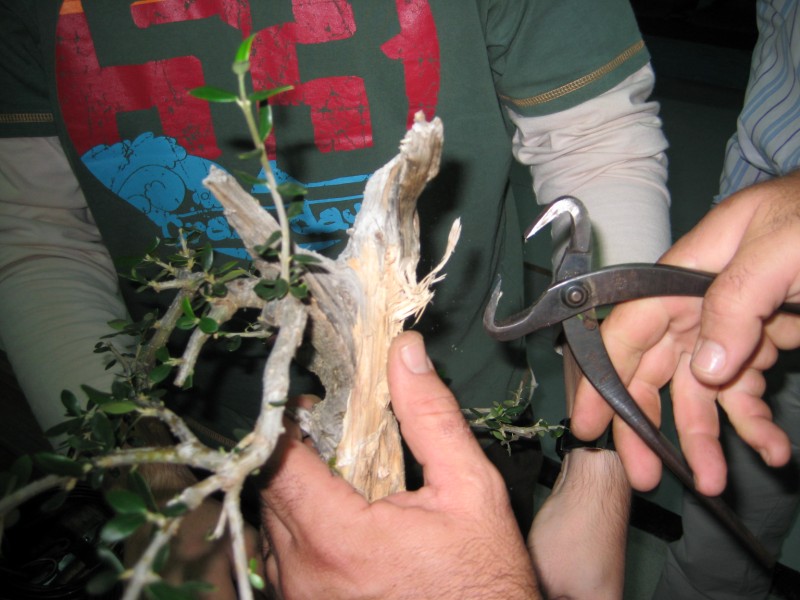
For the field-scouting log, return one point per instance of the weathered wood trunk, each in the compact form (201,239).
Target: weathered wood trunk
(360,302)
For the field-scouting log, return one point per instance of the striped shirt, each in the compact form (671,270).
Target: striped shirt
(767,139)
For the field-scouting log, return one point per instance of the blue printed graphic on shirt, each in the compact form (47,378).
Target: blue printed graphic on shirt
(159,178)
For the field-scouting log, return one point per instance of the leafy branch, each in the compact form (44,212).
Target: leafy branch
(258,117)
(502,420)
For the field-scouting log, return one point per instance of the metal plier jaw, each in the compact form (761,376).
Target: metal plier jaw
(571,299)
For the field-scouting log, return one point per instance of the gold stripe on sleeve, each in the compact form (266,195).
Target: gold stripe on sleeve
(572,86)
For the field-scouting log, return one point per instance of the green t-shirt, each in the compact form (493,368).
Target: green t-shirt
(111,79)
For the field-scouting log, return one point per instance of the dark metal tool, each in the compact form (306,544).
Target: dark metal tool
(571,301)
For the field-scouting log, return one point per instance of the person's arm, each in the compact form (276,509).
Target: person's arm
(714,349)
(609,153)
(456,537)
(582,527)
(58,286)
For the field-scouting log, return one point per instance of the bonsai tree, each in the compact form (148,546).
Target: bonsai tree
(348,309)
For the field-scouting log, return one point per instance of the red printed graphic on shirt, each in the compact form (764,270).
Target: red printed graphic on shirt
(93,94)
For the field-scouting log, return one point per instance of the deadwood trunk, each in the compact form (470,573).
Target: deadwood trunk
(359,303)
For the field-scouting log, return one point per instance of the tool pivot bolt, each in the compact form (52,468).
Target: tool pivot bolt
(575,296)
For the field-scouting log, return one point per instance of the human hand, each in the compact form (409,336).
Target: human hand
(456,537)
(714,349)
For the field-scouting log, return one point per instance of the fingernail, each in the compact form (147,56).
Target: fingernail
(709,357)
(415,358)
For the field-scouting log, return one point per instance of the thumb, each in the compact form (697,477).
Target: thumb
(430,418)
(735,309)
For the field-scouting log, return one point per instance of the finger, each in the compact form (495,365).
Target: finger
(697,422)
(591,414)
(430,418)
(751,240)
(751,417)
(629,331)
(783,330)
(641,464)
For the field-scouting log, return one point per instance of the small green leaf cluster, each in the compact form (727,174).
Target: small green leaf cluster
(275,289)
(500,415)
(501,420)
(135,507)
(178,259)
(95,429)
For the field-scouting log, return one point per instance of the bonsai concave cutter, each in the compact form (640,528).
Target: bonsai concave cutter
(571,300)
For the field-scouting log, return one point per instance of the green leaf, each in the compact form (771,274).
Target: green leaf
(66,427)
(186,323)
(122,407)
(231,264)
(234,343)
(256,581)
(249,179)
(262,95)
(97,397)
(243,51)
(206,256)
(118,324)
(295,209)
(121,527)
(213,94)
(96,479)
(290,189)
(271,289)
(121,390)
(306,259)
(83,445)
(186,306)
(162,354)
(254,153)
(160,373)
(219,290)
(139,486)
(102,583)
(109,558)
(176,509)
(273,238)
(231,275)
(299,291)
(162,556)
(208,325)
(126,502)
(264,121)
(103,430)
(57,464)
(71,403)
